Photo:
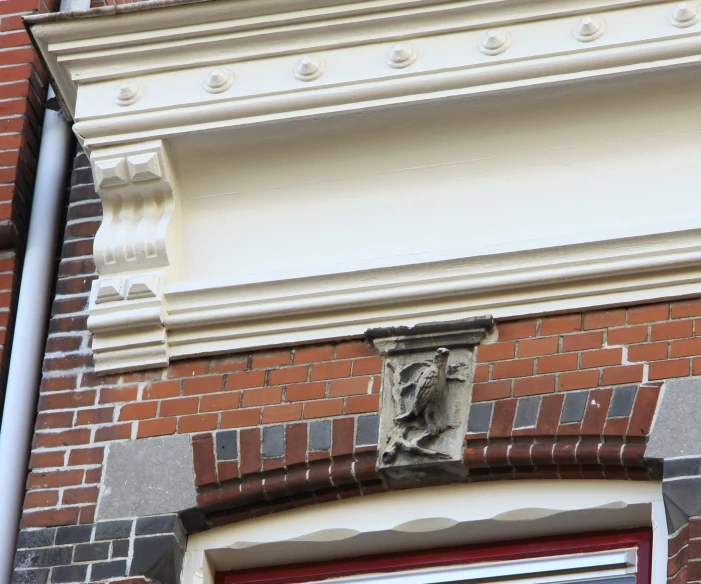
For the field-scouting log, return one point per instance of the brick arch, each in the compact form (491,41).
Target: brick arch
(598,434)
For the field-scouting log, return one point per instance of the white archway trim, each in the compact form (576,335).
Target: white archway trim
(419,511)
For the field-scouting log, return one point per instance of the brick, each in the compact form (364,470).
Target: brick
(240,418)
(578,380)
(623,374)
(549,415)
(219,402)
(162,390)
(288,375)
(343,436)
(669,369)
(198,423)
(648,313)
(305,391)
(602,358)
(331,370)
(116,432)
(648,352)
(53,479)
(261,397)
(65,438)
(200,385)
(51,517)
(344,387)
(228,364)
(521,329)
(191,368)
(203,457)
(86,456)
(179,407)
(80,496)
(282,413)
(644,410)
(481,374)
(560,325)
(47,459)
(323,408)
(138,411)
(686,308)
(54,420)
(250,450)
(496,352)
(685,348)
(117,394)
(582,342)
(491,390)
(367,366)
(555,363)
(34,499)
(518,368)
(354,350)
(362,404)
(160,427)
(62,401)
(538,347)
(305,355)
(503,418)
(271,359)
(671,330)
(534,385)
(245,380)
(296,444)
(604,319)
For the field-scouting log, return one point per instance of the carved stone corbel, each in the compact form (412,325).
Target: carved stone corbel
(425,398)
(135,249)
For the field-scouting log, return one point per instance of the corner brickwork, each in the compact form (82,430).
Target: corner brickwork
(568,396)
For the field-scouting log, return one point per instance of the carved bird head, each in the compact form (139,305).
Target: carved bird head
(441,355)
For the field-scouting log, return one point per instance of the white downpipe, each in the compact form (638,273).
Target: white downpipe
(30,331)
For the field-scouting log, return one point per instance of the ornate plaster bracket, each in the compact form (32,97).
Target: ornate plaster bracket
(426,396)
(135,250)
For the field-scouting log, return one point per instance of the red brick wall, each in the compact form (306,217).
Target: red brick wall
(23,84)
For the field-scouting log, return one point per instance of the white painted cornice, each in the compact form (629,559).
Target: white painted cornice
(170,51)
(226,136)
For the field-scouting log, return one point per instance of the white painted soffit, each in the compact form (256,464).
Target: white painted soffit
(161,59)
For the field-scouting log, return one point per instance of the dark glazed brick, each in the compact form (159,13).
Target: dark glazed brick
(105,570)
(682,467)
(480,416)
(113,529)
(92,551)
(70,573)
(35,538)
(527,411)
(120,548)
(320,435)
(622,402)
(30,576)
(154,525)
(227,445)
(73,534)
(41,557)
(159,557)
(273,441)
(574,407)
(368,431)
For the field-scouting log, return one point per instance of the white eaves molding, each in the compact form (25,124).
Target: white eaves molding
(164,57)
(157,91)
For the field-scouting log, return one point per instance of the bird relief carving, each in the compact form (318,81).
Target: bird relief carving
(427,397)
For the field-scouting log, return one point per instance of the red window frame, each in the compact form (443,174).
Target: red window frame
(471,554)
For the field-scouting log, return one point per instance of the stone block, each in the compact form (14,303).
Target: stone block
(156,525)
(157,557)
(676,431)
(148,477)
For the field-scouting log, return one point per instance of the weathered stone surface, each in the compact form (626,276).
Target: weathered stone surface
(148,477)
(677,431)
(425,398)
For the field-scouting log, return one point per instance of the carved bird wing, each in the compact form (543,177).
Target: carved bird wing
(407,377)
(426,388)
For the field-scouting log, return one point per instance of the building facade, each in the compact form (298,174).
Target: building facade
(372,291)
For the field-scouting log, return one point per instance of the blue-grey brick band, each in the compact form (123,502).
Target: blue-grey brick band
(320,435)
(527,411)
(227,445)
(682,467)
(574,407)
(622,401)
(113,529)
(36,538)
(273,441)
(480,417)
(73,534)
(368,430)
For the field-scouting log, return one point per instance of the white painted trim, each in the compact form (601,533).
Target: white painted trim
(426,510)
(214,318)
